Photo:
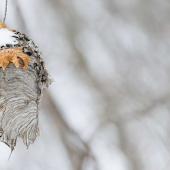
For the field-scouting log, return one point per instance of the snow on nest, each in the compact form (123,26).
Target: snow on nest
(6,37)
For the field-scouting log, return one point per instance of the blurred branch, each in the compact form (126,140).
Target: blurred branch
(78,150)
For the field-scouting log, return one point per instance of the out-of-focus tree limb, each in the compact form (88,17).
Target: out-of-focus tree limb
(79,151)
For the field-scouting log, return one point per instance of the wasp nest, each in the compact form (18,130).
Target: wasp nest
(22,79)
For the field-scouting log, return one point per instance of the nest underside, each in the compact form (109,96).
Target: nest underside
(19,101)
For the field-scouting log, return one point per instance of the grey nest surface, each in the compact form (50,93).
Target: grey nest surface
(20,91)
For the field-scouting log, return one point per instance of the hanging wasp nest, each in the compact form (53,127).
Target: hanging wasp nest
(22,79)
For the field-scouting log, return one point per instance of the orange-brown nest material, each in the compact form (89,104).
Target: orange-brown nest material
(14,56)
(2,25)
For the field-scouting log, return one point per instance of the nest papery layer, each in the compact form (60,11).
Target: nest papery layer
(20,92)
(18,106)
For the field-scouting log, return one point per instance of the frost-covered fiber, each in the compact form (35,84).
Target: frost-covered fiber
(20,91)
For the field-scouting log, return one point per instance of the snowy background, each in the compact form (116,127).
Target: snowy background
(109,105)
